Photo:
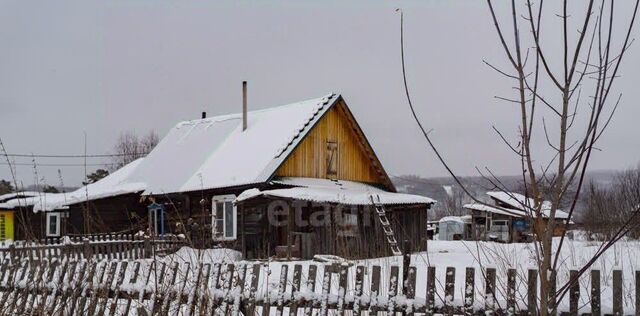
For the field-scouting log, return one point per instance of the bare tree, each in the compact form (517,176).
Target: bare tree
(130,147)
(609,206)
(548,88)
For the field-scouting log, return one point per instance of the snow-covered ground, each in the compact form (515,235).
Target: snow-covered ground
(624,256)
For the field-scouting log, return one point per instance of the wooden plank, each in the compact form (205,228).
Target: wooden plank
(193,298)
(57,290)
(39,283)
(637,293)
(431,290)
(282,285)
(553,308)
(71,275)
(168,295)
(203,291)
(410,287)
(208,297)
(359,290)
(310,287)
(617,293)
(490,290)
(595,293)
(375,288)
(469,290)
(342,286)
(449,289)
(574,293)
(132,281)
(238,287)
(11,280)
(532,292)
(116,294)
(17,290)
(326,287)
(295,289)
(511,291)
(253,289)
(103,298)
(228,281)
(182,291)
(87,284)
(30,283)
(93,300)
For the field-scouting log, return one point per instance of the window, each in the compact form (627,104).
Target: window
(332,159)
(53,224)
(223,217)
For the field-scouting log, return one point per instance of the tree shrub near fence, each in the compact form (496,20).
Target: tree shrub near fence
(98,247)
(164,287)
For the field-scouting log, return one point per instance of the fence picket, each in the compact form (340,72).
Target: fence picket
(410,287)
(393,289)
(326,287)
(431,290)
(310,286)
(490,290)
(103,298)
(56,289)
(469,290)
(595,293)
(511,292)
(342,287)
(204,283)
(617,293)
(359,286)
(67,287)
(574,293)
(209,296)
(119,281)
(375,289)
(226,289)
(282,285)
(192,299)
(253,289)
(532,292)
(238,287)
(132,281)
(449,290)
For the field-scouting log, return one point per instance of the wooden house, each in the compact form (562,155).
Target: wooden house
(511,219)
(296,180)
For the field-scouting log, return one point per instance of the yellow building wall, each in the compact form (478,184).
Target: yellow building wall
(6,225)
(309,159)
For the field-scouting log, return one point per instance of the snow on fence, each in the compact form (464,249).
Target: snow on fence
(162,287)
(106,246)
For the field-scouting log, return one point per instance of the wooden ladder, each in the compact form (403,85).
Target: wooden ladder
(386,226)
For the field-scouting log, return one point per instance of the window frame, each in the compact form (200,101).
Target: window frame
(224,198)
(58,216)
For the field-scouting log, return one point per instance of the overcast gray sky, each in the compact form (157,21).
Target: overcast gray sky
(102,67)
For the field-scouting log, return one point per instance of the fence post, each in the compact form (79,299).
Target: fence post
(147,248)
(431,290)
(490,290)
(637,292)
(86,249)
(617,293)
(532,292)
(595,293)
(469,289)
(12,252)
(511,292)
(574,295)
(410,289)
(449,290)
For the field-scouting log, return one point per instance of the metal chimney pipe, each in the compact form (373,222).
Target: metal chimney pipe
(244,105)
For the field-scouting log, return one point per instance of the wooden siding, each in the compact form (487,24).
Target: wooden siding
(355,161)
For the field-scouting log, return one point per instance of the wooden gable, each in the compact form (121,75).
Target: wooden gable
(336,148)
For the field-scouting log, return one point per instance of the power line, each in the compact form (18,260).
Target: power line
(58,164)
(74,156)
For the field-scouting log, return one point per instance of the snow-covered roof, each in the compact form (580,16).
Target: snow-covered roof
(215,152)
(21,194)
(512,212)
(520,202)
(114,184)
(333,191)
